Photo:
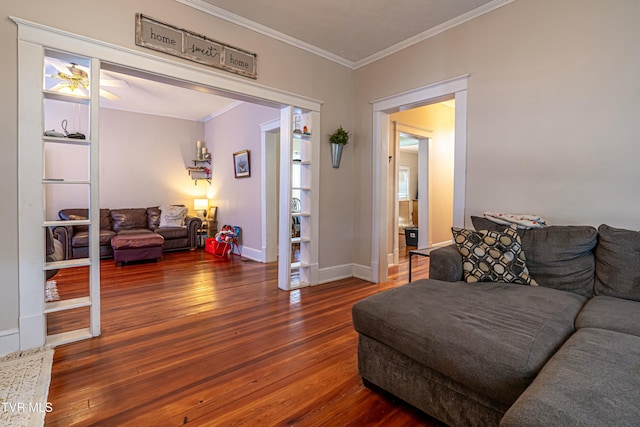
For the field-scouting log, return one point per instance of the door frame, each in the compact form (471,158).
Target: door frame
(382,108)
(269,190)
(423,136)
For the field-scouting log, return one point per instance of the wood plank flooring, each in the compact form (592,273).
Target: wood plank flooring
(198,340)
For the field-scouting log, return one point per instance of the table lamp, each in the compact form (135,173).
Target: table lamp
(201,206)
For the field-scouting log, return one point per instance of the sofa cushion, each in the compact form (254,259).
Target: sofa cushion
(492,256)
(172,216)
(591,381)
(614,314)
(82,238)
(559,257)
(126,219)
(172,232)
(491,337)
(617,263)
(105,217)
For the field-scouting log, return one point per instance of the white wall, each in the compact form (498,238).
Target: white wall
(143,160)
(553,107)
(238,199)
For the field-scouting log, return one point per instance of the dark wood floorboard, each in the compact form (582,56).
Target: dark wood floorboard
(200,340)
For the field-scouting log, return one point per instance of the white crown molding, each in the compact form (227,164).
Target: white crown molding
(269,32)
(458,20)
(220,112)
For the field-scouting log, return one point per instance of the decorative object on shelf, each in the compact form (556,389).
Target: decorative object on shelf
(241,165)
(338,140)
(296,125)
(201,151)
(295,205)
(196,169)
(74,135)
(201,206)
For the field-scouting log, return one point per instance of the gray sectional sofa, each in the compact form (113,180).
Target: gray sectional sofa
(564,353)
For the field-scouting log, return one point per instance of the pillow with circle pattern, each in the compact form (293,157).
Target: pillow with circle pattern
(492,256)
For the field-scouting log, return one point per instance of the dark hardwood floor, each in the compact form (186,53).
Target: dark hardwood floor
(199,340)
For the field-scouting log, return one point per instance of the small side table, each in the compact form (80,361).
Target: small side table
(420,252)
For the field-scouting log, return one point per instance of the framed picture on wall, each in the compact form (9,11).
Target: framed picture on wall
(241,165)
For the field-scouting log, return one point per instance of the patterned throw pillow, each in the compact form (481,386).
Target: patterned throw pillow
(492,256)
(172,216)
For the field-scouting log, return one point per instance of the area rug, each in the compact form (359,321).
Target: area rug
(24,386)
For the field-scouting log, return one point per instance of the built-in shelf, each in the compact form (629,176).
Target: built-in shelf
(70,304)
(67,263)
(66,97)
(63,140)
(67,337)
(300,240)
(63,222)
(63,181)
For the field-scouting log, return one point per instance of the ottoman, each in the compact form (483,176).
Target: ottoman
(136,247)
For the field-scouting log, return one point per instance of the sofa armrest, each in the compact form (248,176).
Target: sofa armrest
(64,233)
(193,224)
(445,263)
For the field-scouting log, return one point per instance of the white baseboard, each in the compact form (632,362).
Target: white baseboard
(337,272)
(9,341)
(344,271)
(252,254)
(362,272)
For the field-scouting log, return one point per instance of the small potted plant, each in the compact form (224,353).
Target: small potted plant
(338,140)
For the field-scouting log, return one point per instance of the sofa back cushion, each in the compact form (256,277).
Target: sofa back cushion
(127,219)
(76,214)
(618,263)
(153,216)
(560,257)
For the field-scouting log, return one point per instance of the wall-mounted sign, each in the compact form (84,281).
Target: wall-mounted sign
(185,44)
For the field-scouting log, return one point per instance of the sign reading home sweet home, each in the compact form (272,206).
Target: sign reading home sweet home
(185,44)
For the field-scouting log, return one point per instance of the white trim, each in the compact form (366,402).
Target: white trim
(222,111)
(267,242)
(266,31)
(251,253)
(331,274)
(457,87)
(432,32)
(362,272)
(354,65)
(417,97)
(339,272)
(52,37)
(9,341)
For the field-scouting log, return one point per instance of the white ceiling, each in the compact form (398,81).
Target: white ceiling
(350,32)
(148,96)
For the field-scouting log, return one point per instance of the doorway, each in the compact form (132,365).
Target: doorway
(32,39)
(409,179)
(454,88)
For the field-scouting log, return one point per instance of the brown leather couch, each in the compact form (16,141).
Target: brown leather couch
(75,238)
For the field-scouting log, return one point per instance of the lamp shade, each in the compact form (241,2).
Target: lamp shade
(200,204)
